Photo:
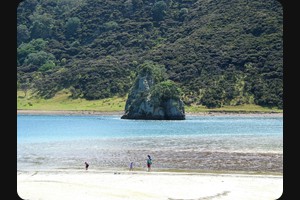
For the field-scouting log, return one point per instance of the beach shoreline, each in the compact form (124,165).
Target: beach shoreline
(119,113)
(142,185)
(160,184)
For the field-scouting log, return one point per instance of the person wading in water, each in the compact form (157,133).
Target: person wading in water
(149,163)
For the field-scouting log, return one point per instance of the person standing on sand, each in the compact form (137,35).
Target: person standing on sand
(149,163)
(86,165)
(131,166)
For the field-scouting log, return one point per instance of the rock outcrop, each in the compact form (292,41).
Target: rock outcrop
(153,101)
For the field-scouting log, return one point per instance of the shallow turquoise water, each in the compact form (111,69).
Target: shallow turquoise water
(199,142)
(32,128)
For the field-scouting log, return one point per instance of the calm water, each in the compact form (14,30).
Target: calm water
(200,142)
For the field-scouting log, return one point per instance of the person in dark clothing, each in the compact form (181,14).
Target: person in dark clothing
(131,166)
(86,165)
(149,163)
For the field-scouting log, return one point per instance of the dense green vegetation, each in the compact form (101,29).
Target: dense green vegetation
(154,97)
(166,90)
(220,52)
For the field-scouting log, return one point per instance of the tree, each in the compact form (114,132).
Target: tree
(72,26)
(111,25)
(155,70)
(183,13)
(212,98)
(48,65)
(166,90)
(24,85)
(39,58)
(136,4)
(41,25)
(23,34)
(159,10)
(33,46)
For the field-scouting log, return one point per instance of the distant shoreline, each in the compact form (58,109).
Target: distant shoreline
(90,112)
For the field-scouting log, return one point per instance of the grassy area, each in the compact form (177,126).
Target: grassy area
(240,108)
(62,101)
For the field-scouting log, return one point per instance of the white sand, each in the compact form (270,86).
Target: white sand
(111,185)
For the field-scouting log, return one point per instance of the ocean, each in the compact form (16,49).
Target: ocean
(251,144)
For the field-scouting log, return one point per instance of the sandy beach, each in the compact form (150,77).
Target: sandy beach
(113,185)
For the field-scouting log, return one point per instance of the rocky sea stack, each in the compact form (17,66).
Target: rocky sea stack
(153,97)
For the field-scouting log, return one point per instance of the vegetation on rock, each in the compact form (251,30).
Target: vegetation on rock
(153,97)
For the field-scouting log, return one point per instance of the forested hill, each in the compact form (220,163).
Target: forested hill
(219,52)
